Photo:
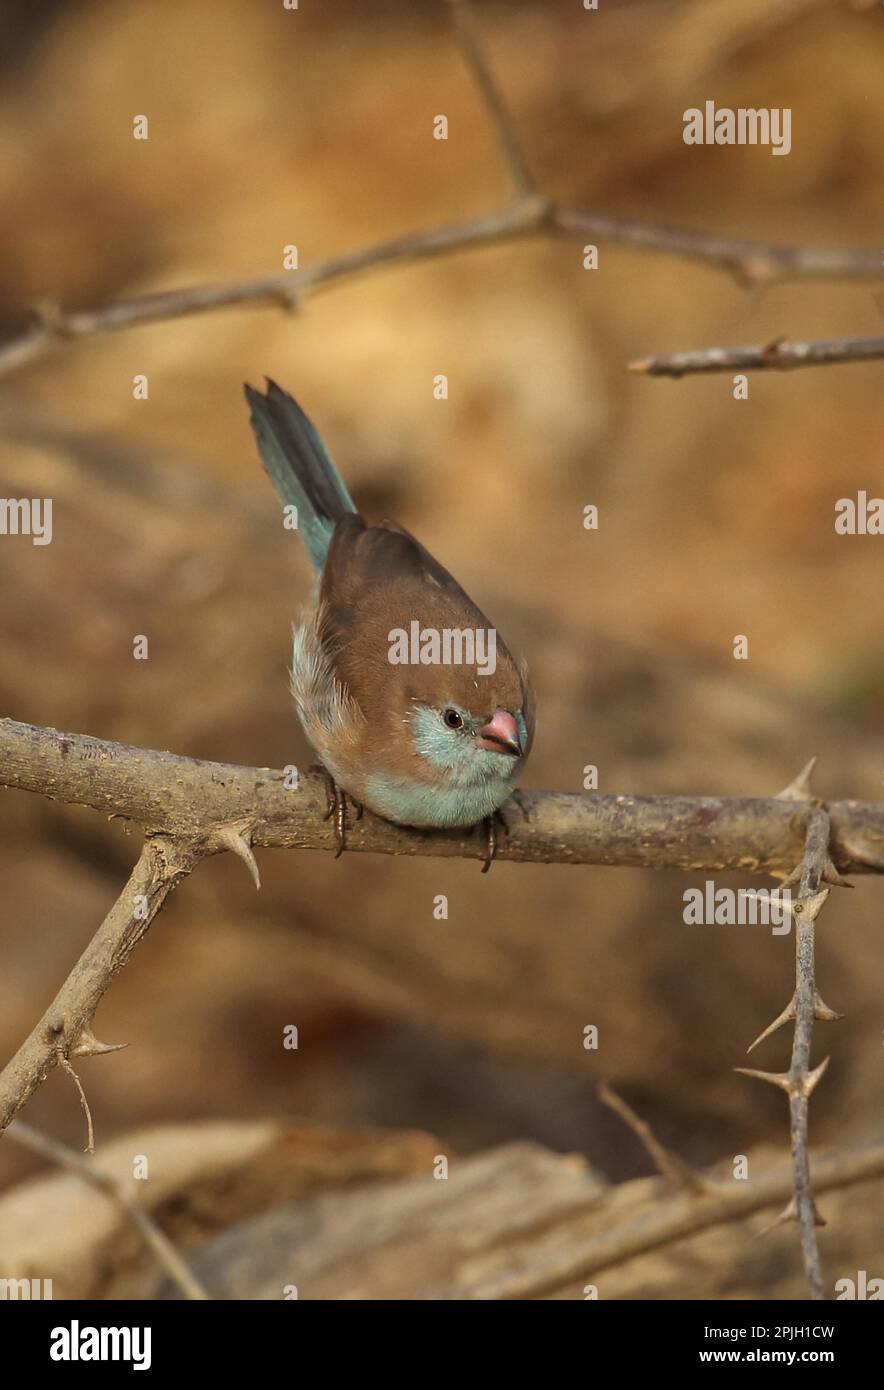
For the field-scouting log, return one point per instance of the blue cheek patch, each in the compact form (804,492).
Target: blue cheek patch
(472,783)
(444,748)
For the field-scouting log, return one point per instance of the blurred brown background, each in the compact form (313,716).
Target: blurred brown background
(270,127)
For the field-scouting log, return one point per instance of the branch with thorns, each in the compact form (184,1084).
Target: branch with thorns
(752,263)
(190,810)
(814,876)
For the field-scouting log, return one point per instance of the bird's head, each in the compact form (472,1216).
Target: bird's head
(476,729)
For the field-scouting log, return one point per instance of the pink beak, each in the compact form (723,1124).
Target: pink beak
(501,734)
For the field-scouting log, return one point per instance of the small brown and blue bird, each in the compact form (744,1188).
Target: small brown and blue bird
(419,742)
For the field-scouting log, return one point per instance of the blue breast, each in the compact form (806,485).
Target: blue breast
(416,803)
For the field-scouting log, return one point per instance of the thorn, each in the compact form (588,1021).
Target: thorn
(831,875)
(770,354)
(776,1078)
(805,1085)
(810,1079)
(799,789)
(88,1045)
(236,838)
(785,1017)
(822,1013)
(790,880)
(789,1213)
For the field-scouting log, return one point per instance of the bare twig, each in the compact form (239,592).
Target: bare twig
(65,1065)
(285,289)
(467,32)
(751,262)
(155,1239)
(679,1173)
(778,356)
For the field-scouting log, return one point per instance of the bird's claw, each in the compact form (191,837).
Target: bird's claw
(492,824)
(336,806)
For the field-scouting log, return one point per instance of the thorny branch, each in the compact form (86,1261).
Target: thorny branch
(752,263)
(190,809)
(814,875)
(802,1080)
(64,1031)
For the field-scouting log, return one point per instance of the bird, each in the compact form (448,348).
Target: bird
(415,708)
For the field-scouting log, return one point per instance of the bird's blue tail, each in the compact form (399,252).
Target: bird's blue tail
(299,468)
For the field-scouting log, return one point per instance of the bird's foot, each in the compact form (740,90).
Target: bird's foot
(336,806)
(493,824)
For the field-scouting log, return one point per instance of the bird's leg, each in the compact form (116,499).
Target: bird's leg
(340,820)
(492,824)
(336,805)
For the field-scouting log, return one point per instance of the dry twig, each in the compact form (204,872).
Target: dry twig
(752,263)
(679,1173)
(779,355)
(157,1241)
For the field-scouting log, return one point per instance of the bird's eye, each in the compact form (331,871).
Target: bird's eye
(453,719)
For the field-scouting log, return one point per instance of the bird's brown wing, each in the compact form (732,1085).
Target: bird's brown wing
(380,578)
